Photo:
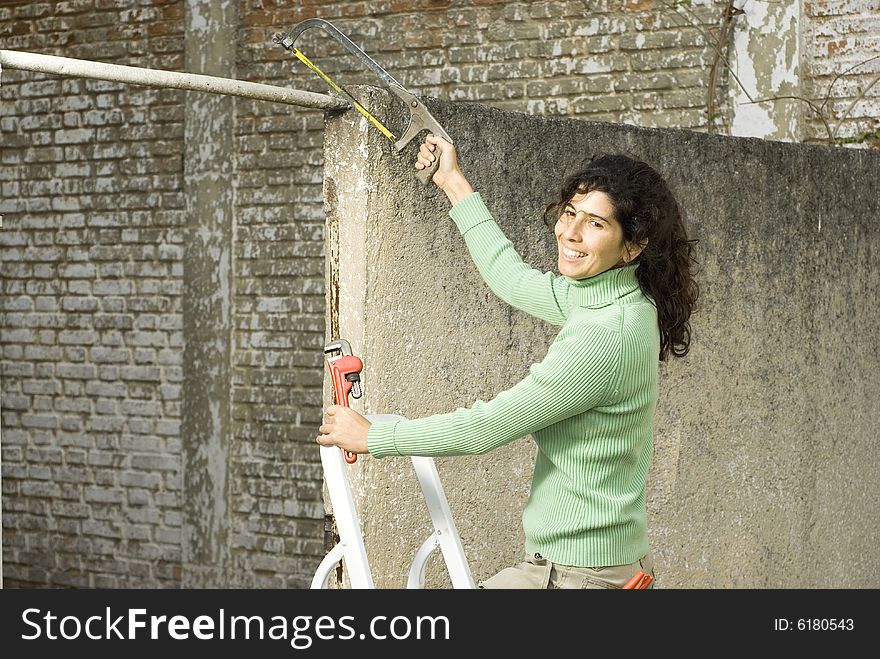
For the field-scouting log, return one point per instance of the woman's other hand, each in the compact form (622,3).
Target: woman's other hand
(345,428)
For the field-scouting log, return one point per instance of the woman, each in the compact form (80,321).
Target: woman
(624,297)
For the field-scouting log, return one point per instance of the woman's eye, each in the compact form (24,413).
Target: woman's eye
(570,215)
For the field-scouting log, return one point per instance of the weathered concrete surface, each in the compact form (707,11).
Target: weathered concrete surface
(765,470)
(207,284)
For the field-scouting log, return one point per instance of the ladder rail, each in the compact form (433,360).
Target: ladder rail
(351,538)
(322,574)
(445,533)
(351,545)
(416,578)
(444,527)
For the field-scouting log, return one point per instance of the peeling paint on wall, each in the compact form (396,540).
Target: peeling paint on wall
(766,61)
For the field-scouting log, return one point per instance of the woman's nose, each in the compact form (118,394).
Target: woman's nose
(572,230)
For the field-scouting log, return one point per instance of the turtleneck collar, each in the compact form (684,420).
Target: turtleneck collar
(604,288)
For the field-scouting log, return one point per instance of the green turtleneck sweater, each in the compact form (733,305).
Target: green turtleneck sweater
(589,404)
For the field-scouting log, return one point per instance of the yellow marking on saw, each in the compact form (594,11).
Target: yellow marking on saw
(360,108)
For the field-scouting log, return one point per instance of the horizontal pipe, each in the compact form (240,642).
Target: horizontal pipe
(135,75)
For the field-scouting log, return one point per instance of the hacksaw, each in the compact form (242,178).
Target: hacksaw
(420,118)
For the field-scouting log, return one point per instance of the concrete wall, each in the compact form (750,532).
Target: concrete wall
(765,470)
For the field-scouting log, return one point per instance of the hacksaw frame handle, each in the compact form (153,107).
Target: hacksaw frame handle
(420,119)
(425,175)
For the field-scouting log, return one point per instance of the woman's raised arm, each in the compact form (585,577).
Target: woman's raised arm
(540,294)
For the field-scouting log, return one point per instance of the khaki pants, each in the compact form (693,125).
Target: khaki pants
(537,572)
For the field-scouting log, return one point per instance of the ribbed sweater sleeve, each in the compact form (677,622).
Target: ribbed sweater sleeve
(575,376)
(540,294)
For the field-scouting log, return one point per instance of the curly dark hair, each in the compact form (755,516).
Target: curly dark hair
(646,210)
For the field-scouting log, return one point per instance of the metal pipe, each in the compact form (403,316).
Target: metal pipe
(136,75)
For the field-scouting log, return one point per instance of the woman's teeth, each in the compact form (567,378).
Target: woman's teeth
(571,254)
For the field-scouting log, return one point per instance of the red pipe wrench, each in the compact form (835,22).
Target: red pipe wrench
(345,369)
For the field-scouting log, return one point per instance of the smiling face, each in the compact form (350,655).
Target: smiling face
(589,238)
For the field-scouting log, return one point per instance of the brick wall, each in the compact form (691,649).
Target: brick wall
(279,324)
(639,62)
(843,37)
(93,248)
(91,252)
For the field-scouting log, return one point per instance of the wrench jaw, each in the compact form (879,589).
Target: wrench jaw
(339,345)
(343,347)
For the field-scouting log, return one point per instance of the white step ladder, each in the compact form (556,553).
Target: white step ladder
(345,369)
(351,541)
